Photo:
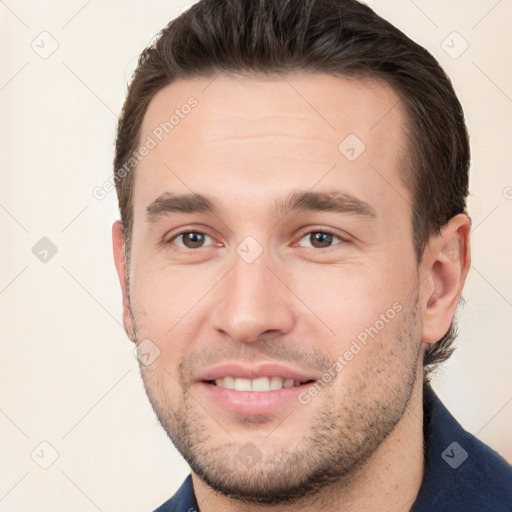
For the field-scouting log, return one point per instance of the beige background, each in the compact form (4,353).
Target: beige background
(67,372)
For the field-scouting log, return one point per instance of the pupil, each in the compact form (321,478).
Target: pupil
(321,239)
(194,240)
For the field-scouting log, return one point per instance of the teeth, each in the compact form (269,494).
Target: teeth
(276,383)
(260,384)
(243,385)
(229,382)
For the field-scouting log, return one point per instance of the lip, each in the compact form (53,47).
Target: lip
(253,403)
(254,371)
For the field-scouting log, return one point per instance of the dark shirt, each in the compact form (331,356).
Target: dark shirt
(462,474)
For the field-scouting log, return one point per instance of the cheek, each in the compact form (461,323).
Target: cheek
(164,393)
(161,297)
(354,299)
(382,357)
(169,308)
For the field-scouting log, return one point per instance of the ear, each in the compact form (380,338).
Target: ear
(445,264)
(120,262)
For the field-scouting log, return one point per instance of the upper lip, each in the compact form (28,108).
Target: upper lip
(254,371)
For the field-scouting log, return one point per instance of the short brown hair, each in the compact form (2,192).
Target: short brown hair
(337,37)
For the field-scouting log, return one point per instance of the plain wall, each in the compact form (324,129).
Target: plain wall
(68,375)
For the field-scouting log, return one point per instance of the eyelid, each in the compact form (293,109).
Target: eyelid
(329,231)
(173,240)
(204,231)
(168,239)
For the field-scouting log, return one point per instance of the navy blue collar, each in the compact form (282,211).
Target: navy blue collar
(461,473)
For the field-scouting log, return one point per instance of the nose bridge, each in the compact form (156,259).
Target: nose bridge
(250,302)
(250,280)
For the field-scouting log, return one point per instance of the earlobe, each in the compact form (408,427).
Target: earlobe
(120,263)
(446,263)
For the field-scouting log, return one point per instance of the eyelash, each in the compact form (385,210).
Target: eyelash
(186,232)
(323,231)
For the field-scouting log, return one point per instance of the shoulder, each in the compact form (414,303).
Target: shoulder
(483,481)
(461,472)
(183,501)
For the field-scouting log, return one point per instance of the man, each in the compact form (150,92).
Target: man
(293,244)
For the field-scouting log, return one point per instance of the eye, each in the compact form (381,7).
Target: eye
(191,239)
(319,239)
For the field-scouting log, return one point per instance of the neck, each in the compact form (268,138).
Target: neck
(389,480)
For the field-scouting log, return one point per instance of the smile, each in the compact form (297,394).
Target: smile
(260,384)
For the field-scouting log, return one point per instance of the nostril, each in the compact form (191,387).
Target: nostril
(270,332)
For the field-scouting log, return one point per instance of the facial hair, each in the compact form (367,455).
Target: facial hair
(349,426)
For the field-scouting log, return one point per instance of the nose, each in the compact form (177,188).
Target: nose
(252,303)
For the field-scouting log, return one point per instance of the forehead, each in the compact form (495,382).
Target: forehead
(313,104)
(274,132)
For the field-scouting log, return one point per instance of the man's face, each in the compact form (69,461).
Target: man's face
(299,265)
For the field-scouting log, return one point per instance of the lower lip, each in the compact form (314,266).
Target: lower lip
(253,403)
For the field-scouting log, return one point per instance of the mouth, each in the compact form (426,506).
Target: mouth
(258,385)
(258,389)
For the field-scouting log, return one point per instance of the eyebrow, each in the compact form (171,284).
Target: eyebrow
(333,201)
(169,203)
